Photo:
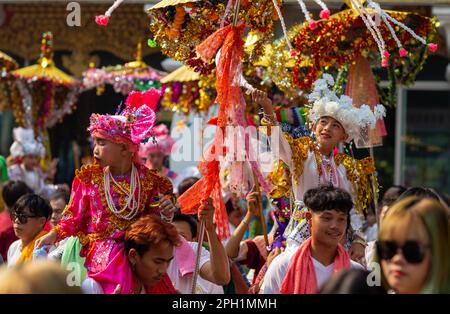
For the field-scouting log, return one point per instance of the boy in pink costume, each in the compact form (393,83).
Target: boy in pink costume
(108,196)
(155,151)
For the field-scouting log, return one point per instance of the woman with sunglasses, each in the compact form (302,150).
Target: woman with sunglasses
(29,216)
(414,247)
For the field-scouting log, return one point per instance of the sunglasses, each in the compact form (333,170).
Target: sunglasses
(23,219)
(412,251)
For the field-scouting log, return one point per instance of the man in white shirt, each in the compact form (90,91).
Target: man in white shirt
(329,208)
(214,269)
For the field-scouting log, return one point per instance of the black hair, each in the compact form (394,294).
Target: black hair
(351,281)
(61,195)
(189,219)
(229,207)
(186,184)
(391,195)
(37,205)
(13,190)
(328,198)
(420,192)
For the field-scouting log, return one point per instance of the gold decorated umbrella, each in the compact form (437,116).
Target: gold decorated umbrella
(338,42)
(182,74)
(134,75)
(46,93)
(186,90)
(179,26)
(7,64)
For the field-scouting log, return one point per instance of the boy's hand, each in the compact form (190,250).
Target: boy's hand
(167,208)
(356,251)
(252,201)
(48,239)
(275,252)
(261,98)
(206,213)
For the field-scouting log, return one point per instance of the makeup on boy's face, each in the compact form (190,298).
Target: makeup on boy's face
(106,152)
(329,131)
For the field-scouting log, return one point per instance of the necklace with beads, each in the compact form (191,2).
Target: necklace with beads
(132,202)
(327,170)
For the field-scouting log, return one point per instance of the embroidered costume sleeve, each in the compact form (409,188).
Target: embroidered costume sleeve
(158,186)
(76,213)
(359,173)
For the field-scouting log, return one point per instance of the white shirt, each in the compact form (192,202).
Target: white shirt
(14,251)
(184,283)
(370,252)
(279,267)
(310,176)
(372,233)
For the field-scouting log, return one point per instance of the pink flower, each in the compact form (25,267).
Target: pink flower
(384,63)
(403,52)
(293,53)
(432,47)
(325,14)
(102,20)
(312,24)
(386,55)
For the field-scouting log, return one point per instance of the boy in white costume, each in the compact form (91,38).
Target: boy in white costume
(310,163)
(27,152)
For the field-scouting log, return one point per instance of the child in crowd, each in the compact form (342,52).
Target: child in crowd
(29,215)
(312,163)
(108,196)
(27,152)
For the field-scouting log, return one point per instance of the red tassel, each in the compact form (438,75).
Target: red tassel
(102,20)
(149,98)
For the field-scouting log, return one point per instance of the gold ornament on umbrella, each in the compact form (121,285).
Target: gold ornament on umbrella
(47,94)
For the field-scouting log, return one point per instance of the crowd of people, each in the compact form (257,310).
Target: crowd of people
(120,229)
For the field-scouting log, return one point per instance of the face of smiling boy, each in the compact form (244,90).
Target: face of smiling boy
(329,132)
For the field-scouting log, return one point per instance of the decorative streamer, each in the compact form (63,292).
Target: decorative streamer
(283,26)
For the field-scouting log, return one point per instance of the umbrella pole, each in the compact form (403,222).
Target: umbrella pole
(375,194)
(201,233)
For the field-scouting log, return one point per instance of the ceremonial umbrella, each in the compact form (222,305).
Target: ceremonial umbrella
(135,75)
(46,93)
(187,91)
(339,41)
(7,64)
(179,26)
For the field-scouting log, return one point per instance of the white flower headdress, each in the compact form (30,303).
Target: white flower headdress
(355,121)
(26,144)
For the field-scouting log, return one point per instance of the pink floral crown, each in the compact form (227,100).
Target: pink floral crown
(134,123)
(162,142)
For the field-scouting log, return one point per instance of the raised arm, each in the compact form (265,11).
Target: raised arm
(281,147)
(233,245)
(217,270)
